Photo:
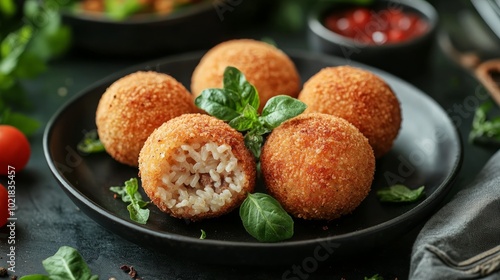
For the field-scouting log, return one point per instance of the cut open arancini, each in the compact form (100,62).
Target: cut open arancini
(195,167)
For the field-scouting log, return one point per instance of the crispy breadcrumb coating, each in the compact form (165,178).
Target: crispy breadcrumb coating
(270,70)
(196,166)
(133,106)
(318,166)
(360,97)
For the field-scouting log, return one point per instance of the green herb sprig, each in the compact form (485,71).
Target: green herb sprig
(90,143)
(238,102)
(400,193)
(485,130)
(67,263)
(265,219)
(129,194)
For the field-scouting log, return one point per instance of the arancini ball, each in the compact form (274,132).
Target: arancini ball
(269,69)
(317,166)
(133,106)
(195,167)
(360,97)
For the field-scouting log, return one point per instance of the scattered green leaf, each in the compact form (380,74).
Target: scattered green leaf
(400,193)
(90,143)
(137,206)
(203,234)
(35,277)
(67,263)
(374,277)
(265,219)
(237,103)
(485,130)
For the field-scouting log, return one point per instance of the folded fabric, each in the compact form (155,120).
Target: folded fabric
(462,240)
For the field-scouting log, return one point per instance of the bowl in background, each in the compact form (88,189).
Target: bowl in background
(195,27)
(402,58)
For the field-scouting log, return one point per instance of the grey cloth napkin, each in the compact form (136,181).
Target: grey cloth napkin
(462,240)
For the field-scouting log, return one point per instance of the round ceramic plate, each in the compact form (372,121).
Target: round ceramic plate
(427,152)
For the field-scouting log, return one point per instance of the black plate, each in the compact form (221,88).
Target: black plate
(427,152)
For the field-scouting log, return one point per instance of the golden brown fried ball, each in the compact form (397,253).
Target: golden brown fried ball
(196,166)
(318,166)
(133,106)
(360,97)
(270,70)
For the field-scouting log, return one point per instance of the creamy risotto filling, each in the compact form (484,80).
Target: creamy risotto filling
(200,177)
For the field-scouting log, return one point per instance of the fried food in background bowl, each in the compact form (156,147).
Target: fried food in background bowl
(196,26)
(360,97)
(133,106)
(269,69)
(196,166)
(120,10)
(318,166)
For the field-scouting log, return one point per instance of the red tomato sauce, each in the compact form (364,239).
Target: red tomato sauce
(376,27)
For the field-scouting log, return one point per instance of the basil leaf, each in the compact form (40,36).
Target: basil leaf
(12,47)
(237,103)
(35,277)
(281,108)
(246,120)
(484,130)
(120,191)
(90,143)
(131,187)
(265,219)
(400,193)
(218,103)
(129,194)
(235,81)
(66,264)
(254,142)
(138,214)
(203,234)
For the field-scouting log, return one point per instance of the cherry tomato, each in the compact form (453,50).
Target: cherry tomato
(376,27)
(4,211)
(361,16)
(395,35)
(15,149)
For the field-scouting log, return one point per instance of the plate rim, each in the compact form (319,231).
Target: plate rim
(443,188)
